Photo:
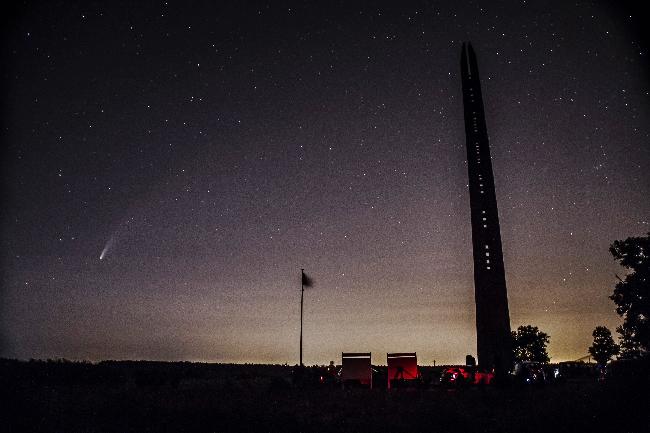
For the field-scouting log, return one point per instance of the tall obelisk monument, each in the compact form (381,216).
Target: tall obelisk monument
(492,315)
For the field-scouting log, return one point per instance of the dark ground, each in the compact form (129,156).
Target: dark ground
(147,396)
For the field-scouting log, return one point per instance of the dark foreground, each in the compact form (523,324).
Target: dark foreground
(140,397)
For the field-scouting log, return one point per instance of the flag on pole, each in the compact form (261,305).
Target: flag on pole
(306,281)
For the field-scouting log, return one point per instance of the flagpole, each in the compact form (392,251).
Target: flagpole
(302,291)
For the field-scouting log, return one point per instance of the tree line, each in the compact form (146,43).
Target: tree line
(632,298)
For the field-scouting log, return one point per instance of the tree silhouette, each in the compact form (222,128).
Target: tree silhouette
(603,347)
(628,344)
(529,344)
(632,295)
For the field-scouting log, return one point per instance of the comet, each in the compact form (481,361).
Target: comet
(108,245)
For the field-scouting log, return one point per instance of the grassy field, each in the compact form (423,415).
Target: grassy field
(153,397)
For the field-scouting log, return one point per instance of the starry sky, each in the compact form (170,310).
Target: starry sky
(207,152)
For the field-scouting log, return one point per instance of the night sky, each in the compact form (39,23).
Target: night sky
(206,153)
